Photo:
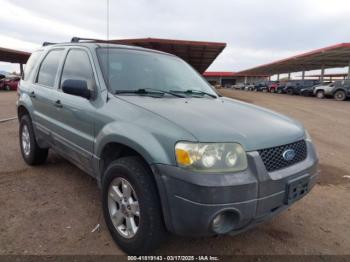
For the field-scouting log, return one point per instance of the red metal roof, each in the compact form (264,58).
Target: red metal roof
(13,56)
(219,74)
(332,56)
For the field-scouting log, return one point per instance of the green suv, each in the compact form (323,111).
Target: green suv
(168,152)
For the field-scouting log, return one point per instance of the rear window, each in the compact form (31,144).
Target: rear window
(49,67)
(31,64)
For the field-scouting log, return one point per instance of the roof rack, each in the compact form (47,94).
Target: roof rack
(48,43)
(78,39)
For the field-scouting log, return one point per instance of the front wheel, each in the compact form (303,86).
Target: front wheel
(31,152)
(320,94)
(131,206)
(340,95)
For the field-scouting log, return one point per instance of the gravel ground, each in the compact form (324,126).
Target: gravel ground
(52,209)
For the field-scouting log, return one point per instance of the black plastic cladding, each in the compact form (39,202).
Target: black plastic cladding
(273,157)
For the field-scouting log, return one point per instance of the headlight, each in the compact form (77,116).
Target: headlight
(211,157)
(307,136)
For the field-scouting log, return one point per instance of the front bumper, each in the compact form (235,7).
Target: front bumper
(190,200)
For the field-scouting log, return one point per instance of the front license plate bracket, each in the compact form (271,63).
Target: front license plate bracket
(297,188)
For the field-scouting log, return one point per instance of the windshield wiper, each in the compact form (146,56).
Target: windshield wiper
(194,92)
(147,91)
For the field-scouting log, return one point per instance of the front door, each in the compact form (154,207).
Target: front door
(76,132)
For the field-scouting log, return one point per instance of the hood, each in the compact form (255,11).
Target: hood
(224,120)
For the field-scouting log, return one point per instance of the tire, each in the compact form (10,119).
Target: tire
(320,94)
(31,152)
(340,95)
(150,230)
(7,88)
(289,91)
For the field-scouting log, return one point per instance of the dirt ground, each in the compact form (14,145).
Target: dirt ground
(52,209)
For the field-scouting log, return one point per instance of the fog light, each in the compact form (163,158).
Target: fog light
(224,222)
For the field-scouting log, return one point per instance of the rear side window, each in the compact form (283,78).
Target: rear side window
(49,67)
(31,64)
(78,67)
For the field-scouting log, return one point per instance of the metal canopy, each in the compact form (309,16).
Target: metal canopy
(229,74)
(198,54)
(328,57)
(13,56)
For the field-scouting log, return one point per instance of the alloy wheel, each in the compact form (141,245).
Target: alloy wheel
(123,207)
(25,140)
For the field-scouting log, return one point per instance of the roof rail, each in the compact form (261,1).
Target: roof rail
(78,39)
(48,43)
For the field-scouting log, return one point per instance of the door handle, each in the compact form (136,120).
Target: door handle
(58,104)
(32,94)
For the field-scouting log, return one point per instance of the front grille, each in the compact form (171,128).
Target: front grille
(273,157)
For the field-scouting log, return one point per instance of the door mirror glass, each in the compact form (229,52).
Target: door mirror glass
(76,88)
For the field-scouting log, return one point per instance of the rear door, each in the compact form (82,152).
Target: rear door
(76,115)
(44,93)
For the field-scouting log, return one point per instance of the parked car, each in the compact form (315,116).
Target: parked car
(10,83)
(168,152)
(261,86)
(281,86)
(249,87)
(323,90)
(307,91)
(341,90)
(239,86)
(2,77)
(273,86)
(293,87)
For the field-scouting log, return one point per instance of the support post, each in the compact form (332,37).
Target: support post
(303,75)
(349,71)
(245,79)
(322,74)
(278,77)
(288,76)
(21,68)
(220,81)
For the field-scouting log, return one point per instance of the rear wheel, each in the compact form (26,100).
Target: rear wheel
(320,94)
(131,206)
(7,88)
(340,95)
(289,91)
(31,152)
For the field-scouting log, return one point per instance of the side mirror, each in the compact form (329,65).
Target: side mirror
(76,88)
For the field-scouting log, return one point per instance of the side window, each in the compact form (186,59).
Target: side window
(31,64)
(49,67)
(77,66)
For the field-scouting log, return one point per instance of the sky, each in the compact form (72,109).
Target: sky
(256,32)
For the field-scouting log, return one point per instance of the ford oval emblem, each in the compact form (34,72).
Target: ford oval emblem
(288,154)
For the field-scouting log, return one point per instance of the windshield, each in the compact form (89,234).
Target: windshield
(125,70)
